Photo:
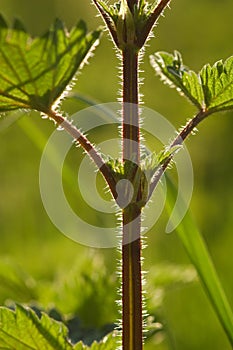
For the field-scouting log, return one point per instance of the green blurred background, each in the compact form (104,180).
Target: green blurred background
(202,30)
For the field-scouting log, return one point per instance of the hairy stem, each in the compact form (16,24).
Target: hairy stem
(88,147)
(183,134)
(109,23)
(131,241)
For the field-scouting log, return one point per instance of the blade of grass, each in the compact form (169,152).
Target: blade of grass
(198,253)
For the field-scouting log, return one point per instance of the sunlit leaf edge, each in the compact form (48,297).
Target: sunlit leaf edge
(20,92)
(23,328)
(210,90)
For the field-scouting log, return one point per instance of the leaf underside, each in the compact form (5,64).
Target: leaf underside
(22,329)
(210,90)
(34,72)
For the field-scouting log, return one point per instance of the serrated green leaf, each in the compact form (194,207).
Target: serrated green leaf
(210,90)
(23,330)
(198,253)
(153,161)
(34,72)
(217,83)
(171,70)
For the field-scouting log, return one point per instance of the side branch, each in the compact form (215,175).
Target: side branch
(89,148)
(108,21)
(151,21)
(183,134)
(159,9)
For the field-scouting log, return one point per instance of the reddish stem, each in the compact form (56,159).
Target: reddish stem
(88,147)
(184,133)
(131,242)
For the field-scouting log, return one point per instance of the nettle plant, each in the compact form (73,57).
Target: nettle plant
(35,73)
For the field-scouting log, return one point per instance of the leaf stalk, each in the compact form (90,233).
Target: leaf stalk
(183,134)
(150,22)
(90,149)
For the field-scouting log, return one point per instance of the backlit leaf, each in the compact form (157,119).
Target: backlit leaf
(171,70)
(217,83)
(210,90)
(34,72)
(23,330)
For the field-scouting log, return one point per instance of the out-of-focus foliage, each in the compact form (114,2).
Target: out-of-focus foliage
(71,298)
(25,230)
